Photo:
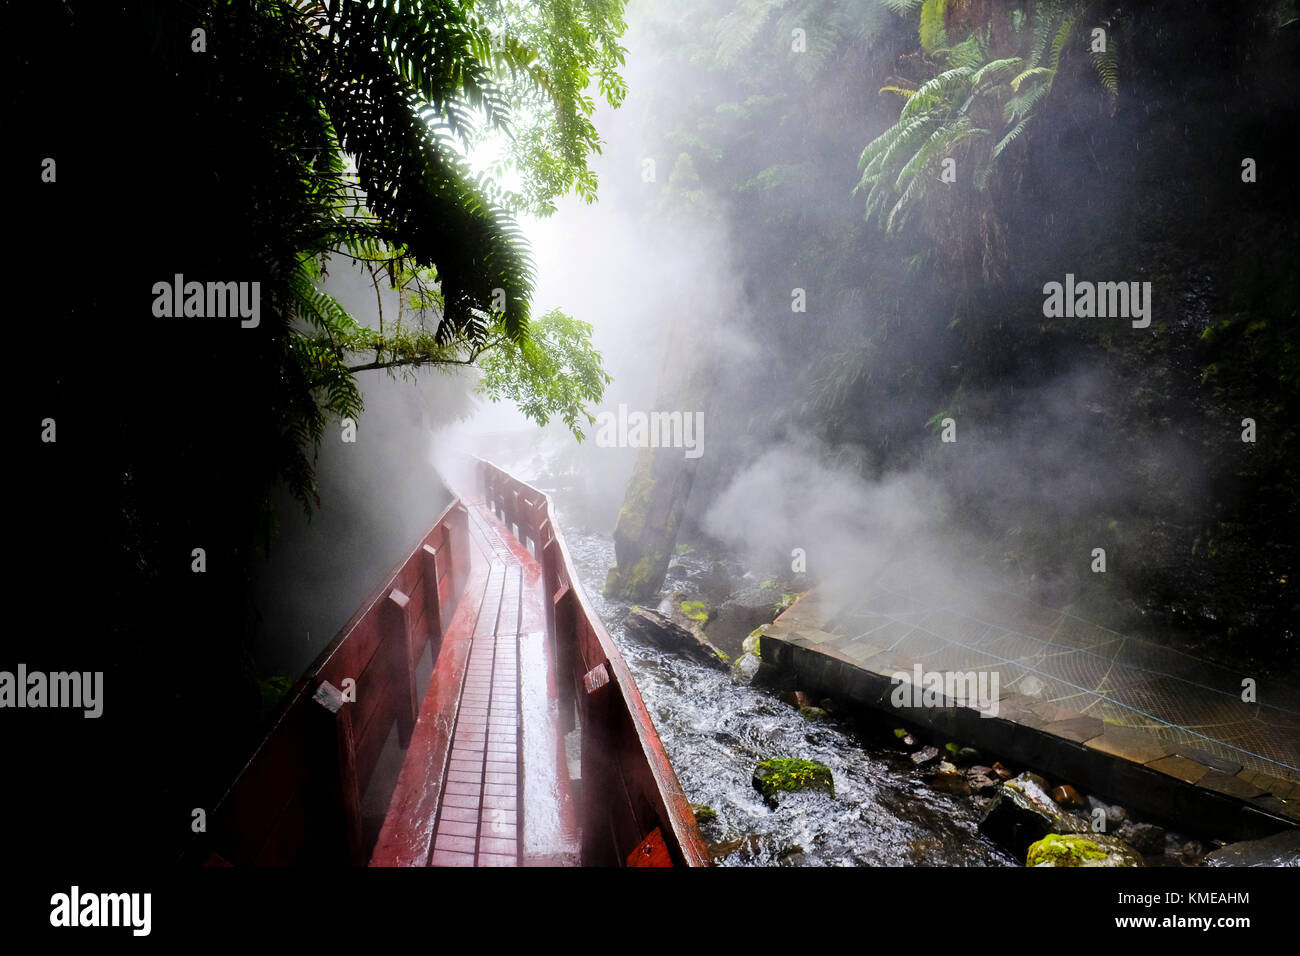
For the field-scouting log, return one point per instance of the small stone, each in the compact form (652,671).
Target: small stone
(1001,772)
(1067,796)
(981,780)
(1116,814)
(948,779)
(925,755)
(812,713)
(968,756)
(745,669)
(904,739)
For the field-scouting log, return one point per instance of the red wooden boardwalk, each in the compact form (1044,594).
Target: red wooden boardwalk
(495,808)
(474,712)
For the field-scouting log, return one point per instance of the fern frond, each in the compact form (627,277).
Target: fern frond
(1007,140)
(1019,107)
(936,90)
(1028,74)
(1107,67)
(994,69)
(1062,35)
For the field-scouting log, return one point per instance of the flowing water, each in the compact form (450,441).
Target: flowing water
(716,730)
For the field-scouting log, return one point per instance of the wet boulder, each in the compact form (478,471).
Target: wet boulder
(741,613)
(1076,849)
(1023,813)
(783,775)
(745,667)
(1280,849)
(1147,838)
(661,632)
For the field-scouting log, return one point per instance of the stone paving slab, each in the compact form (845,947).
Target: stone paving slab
(1167,729)
(1189,771)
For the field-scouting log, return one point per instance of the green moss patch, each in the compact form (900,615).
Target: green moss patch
(1058,849)
(784,775)
(704,813)
(695,610)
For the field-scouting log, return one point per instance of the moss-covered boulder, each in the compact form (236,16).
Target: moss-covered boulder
(784,775)
(704,813)
(1081,849)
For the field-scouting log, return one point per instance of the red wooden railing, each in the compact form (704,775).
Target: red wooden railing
(634,811)
(302,797)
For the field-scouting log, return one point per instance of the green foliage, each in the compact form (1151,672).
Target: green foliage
(828,25)
(963,106)
(546,56)
(406,92)
(553,373)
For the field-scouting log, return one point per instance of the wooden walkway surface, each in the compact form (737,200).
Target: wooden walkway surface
(484,783)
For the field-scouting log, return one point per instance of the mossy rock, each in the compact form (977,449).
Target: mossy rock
(1078,849)
(784,775)
(704,813)
(813,713)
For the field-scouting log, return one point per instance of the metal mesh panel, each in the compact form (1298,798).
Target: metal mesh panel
(1065,662)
